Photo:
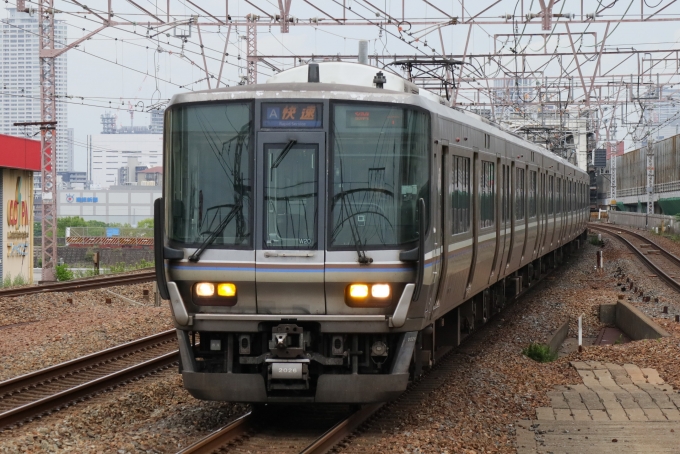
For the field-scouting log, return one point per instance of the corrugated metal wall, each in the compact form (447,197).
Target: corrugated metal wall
(631,168)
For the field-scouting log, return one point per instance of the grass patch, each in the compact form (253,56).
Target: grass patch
(592,239)
(540,353)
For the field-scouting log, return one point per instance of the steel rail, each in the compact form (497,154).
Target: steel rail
(81,284)
(24,381)
(663,252)
(66,397)
(341,430)
(645,260)
(222,436)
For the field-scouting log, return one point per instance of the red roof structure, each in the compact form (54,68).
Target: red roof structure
(19,153)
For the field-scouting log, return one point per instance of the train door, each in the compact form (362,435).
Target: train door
(503,221)
(289,269)
(458,225)
(440,217)
(542,217)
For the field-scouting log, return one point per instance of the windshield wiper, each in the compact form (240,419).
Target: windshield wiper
(208,241)
(283,153)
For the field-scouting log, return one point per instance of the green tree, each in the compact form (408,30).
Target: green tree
(69,221)
(145,224)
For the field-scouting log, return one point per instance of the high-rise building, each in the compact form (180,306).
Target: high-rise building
(119,153)
(20,81)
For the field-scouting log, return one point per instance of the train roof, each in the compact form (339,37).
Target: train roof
(354,81)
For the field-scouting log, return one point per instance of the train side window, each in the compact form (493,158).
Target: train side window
(551,189)
(519,194)
(532,194)
(487,194)
(487,141)
(460,194)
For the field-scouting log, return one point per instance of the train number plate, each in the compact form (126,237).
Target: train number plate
(287,371)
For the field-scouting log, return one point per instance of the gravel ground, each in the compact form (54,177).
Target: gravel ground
(490,386)
(40,330)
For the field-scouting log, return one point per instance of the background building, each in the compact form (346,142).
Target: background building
(117,204)
(120,152)
(20,74)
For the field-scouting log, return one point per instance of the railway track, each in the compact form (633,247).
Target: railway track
(303,429)
(82,284)
(31,395)
(662,263)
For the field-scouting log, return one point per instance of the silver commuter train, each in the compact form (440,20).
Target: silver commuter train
(289,238)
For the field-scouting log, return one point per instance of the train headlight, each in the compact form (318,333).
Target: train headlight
(228,290)
(205,289)
(358,290)
(380,291)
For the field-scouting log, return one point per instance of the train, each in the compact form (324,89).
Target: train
(327,235)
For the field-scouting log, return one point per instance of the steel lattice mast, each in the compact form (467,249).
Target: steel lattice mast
(48,138)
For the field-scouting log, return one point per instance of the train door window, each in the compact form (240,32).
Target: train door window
(519,194)
(505,194)
(541,194)
(532,194)
(551,189)
(487,194)
(558,196)
(460,194)
(487,141)
(291,196)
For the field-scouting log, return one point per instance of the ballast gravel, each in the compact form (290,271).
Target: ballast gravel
(490,384)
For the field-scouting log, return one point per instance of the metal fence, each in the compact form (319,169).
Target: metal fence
(109,232)
(666,224)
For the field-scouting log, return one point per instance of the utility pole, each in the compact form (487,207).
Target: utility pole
(612,157)
(650,175)
(251,46)
(48,138)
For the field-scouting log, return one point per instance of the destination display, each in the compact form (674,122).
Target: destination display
(291,115)
(374,118)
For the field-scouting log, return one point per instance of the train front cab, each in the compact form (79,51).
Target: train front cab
(280,292)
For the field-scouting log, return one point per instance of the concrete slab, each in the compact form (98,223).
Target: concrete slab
(592,401)
(635,373)
(562,414)
(557,400)
(599,415)
(671,414)
(580,365)
(655,414)
(561,437)
(652,376)
(545,413)
(636,414)
(581,415)
(574,400)
(626,401)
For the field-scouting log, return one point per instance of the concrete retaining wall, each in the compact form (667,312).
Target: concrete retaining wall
(556,340)
(631,321)
(667,224)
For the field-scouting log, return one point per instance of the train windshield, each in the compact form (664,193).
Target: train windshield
(209,185)
(379,170)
